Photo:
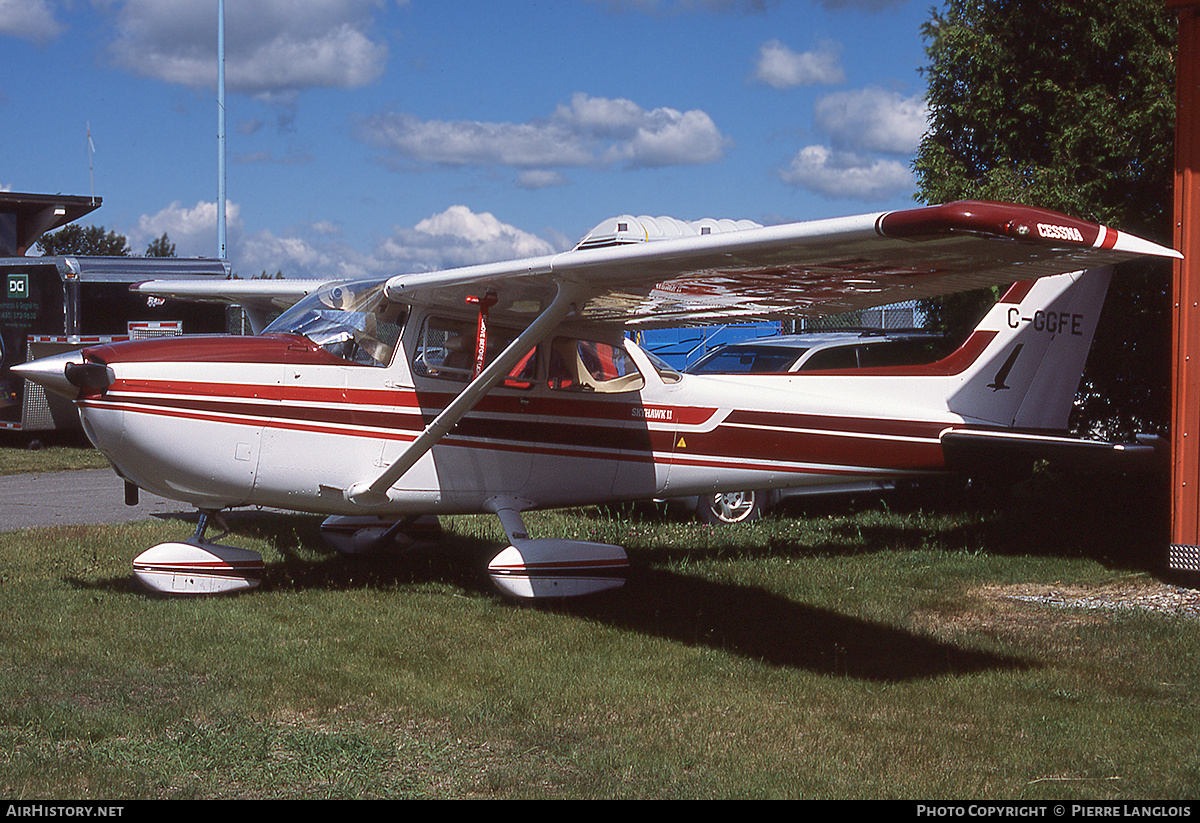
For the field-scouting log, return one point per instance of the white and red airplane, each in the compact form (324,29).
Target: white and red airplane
(509,387)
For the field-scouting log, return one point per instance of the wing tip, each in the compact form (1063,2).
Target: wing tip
(1013,221)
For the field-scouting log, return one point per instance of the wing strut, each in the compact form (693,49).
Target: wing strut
(375,492)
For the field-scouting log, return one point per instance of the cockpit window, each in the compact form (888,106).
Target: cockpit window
(353,321)
(446,349)
(835,357)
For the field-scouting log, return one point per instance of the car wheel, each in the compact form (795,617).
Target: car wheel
(731,507)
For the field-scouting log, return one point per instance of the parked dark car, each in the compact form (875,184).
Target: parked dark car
(807,351)
(812,351)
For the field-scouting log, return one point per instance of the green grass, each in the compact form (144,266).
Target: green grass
(24,452)
(862,650)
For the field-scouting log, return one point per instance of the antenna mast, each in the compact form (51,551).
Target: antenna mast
(221,249)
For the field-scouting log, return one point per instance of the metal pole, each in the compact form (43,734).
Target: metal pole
(221,247)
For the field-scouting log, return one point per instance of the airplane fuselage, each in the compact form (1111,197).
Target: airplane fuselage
(277,421)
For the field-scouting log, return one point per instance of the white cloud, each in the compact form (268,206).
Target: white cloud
(295,256)
(601,116)
(667,137)
(872,135)
(461,237)
(540,179)
(193,229)
(781,68)
(873,119)
(32,20)
(460,143)
(846,175)
(454,237)
(587,132)
(272,47)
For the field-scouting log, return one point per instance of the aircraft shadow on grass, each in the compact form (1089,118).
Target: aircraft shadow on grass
(744,620)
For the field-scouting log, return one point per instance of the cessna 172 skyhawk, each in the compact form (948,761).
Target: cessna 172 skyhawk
(507,387)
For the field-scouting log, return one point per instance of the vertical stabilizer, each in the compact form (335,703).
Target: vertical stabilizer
(1032,346)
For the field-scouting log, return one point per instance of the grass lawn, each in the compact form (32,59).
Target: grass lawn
(23,452)
(921,649)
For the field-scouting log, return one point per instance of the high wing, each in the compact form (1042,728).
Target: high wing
(646,272)
(642,272)
(260,298)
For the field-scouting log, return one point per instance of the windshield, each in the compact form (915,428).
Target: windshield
(353,321)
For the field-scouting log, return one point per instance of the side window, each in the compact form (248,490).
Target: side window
(446,350)
(382,334)
(586,366)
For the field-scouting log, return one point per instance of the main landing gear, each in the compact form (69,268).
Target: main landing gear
(198,566)
(528,568)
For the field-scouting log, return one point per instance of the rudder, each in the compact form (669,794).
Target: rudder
(1034,344)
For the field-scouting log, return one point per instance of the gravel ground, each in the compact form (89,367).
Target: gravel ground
(1142,595)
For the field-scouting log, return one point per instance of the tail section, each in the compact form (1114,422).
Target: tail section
(1027,355)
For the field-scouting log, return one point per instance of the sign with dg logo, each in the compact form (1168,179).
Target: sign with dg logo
(18,287)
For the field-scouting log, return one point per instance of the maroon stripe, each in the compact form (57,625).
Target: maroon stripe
(291,349)
(850,425)
(756,444)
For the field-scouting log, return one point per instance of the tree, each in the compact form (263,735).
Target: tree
(161,247)
(93,240)
(1068,105)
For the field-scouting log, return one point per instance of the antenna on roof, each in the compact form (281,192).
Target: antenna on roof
(221,129)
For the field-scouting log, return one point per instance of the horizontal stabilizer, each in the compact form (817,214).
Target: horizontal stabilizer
(966,449)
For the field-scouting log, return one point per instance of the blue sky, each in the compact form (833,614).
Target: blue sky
(374,137)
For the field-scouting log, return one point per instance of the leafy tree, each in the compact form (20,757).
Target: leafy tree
(1068,105)
(161,247)
(92,240)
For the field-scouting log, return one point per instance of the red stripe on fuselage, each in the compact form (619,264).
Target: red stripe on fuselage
(565,428)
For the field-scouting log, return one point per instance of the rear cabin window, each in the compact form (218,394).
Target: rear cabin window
(586,366)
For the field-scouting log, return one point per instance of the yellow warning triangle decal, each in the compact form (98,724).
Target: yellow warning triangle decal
(681,444)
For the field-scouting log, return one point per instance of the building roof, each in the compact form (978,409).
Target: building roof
(24,218)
